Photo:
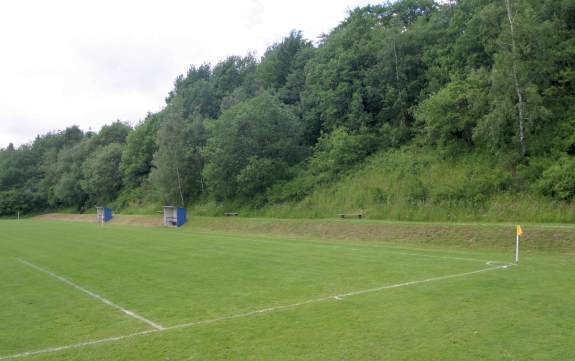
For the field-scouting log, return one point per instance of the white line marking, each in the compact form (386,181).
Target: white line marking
(92,294)
(411,283)
(245,314)
(77,345)
(500,264)
(340,296)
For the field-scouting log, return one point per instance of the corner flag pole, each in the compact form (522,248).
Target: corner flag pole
(517,249)
(518,234)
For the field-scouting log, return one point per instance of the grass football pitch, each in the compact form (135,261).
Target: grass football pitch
(79,291)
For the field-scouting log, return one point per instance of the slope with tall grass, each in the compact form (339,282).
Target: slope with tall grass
(410,184)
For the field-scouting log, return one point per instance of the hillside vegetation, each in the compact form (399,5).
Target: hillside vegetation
(413,110)
(414,184)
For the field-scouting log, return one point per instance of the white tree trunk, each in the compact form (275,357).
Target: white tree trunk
(520,105)
(397,81)
(396,69)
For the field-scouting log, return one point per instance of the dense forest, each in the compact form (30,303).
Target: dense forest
(488,85)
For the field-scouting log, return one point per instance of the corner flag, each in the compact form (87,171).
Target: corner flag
(519,233)
(519,230)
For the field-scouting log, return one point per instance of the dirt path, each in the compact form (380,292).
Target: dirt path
(148,221)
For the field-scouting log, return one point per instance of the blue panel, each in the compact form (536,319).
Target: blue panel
(181,216)
(107,214)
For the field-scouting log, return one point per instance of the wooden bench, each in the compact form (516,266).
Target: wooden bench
(173,221)
(231,214)
(350,215)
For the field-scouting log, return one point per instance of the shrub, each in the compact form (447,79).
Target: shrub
(558,181)
(19,201)
(339,150)
(259,174)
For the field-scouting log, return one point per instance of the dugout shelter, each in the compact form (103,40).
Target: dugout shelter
(174,216)
(103,214)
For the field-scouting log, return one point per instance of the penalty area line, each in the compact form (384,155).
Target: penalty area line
(338,297)
(92,294)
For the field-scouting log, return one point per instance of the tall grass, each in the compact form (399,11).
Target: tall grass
(413,184)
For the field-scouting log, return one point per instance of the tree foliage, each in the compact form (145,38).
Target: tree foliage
(177,163)
(137,157)
(496,78)
(251,146)
(101,177)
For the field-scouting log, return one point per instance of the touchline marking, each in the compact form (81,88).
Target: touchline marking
(338,297)
(93,295)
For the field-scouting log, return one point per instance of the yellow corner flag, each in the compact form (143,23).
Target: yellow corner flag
(519,230)
(519,233)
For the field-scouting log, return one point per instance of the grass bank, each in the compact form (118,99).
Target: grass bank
(409,185)
(496,236)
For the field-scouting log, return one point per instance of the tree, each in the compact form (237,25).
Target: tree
(139,151)
(116,132)
(251,146)
(234,73)
(178,163)
(515,77)
(450,115)
(492,77)
(368,72)
(282,59)
(519,119)
(102,180)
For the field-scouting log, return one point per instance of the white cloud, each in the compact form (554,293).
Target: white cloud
(89,63)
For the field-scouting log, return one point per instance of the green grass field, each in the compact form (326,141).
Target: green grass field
(80,291)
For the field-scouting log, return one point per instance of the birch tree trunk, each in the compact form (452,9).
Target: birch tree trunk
(396,69)
(397,81)
(514,56)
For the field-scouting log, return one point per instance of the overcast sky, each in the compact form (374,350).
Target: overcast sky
(92,62)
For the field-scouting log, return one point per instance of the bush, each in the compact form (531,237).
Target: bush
(558,181)
(258,175)
(19,201)
(339,150)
